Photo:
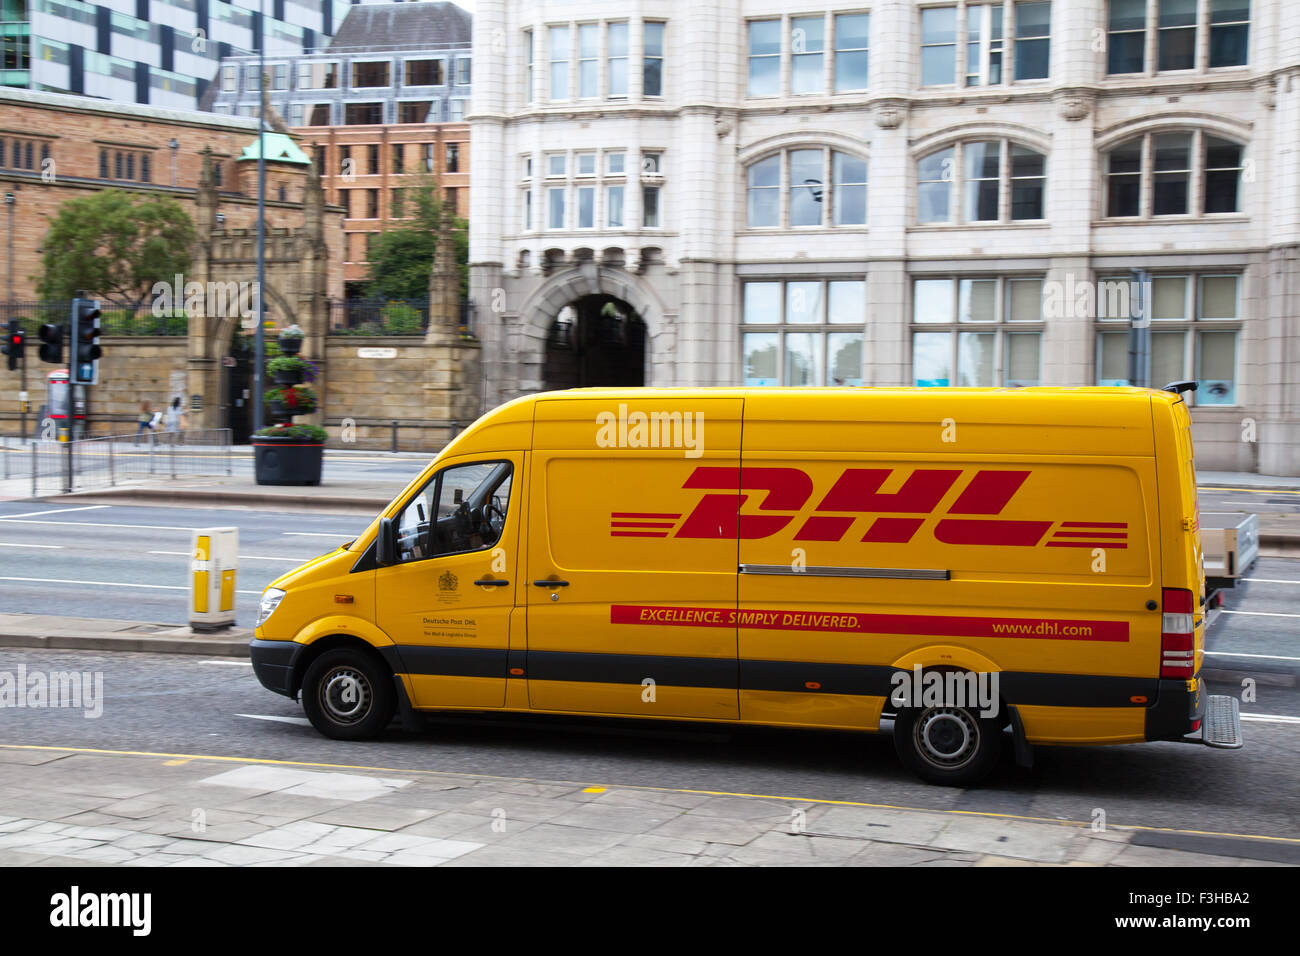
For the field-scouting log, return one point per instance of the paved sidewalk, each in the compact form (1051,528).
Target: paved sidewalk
(69,808)
(91,634)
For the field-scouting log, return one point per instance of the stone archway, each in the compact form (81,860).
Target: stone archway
(594,284)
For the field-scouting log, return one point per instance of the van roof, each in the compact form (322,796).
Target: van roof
(1116,419)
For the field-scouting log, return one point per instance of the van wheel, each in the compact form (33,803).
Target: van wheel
(347,695)
(949,746)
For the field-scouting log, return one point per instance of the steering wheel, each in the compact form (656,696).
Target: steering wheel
(494,519)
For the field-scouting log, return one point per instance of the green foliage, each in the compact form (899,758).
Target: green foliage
(115,245)
(286,363)
(295,432)
(401,257)
(297,399)
(401,319)
(141,322)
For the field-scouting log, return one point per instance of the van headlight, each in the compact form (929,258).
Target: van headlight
(271,599)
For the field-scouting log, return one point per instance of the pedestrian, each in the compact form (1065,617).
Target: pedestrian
(146,420)
(175,421)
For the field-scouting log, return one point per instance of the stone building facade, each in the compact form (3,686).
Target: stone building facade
(59,147)
(895,193)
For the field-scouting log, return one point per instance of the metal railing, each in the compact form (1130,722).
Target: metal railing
(88,464)
(382,316)
(114,320)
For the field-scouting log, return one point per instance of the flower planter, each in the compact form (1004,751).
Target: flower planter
(287,378)
(292,461)
(290,345)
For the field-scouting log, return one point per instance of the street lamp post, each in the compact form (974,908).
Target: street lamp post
(259,337)
(11,201)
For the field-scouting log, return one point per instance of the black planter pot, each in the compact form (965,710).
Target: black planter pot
(288,378)
(290,346)
(287,461)
(278,410)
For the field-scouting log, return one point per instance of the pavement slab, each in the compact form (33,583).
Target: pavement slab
(298,816)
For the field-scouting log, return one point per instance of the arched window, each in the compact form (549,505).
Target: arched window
(1173,173)
(981,181)
(806,186)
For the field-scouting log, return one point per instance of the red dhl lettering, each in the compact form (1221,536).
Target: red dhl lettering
(719,513)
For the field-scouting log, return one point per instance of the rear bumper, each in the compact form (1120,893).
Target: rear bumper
(1178,710)
(273,663)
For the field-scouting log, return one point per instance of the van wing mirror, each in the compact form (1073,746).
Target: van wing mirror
(385,543)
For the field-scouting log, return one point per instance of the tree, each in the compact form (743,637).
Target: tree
(401,257)
(115,245)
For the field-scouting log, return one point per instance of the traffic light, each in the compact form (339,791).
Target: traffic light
(51,343)
(84,360)
(13,344)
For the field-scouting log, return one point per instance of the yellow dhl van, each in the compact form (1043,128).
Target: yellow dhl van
(820,558)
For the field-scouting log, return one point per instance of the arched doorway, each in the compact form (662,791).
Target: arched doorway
(593,341)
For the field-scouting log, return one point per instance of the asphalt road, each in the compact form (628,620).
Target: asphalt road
(184,705)
(130,563)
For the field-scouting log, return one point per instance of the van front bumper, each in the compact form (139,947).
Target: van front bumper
(1178,710)
(273,663)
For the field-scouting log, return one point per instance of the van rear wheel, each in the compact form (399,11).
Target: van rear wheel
(347,695)
(949,746)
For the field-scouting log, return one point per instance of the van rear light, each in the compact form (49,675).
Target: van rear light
(1177,648)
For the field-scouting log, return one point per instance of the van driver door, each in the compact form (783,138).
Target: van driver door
(447,601)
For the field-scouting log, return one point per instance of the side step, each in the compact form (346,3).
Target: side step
(1222,723)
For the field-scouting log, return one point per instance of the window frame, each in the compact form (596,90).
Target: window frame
(957,183)
(822,331)
(1003,326)
(1190,326)
(829,188)
(1198,175)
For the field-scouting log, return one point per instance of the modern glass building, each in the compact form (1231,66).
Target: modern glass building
(160,52)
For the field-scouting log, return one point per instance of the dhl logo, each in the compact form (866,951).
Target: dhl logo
(970,519)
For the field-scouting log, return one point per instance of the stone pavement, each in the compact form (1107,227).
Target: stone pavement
(92,634)
(70,808)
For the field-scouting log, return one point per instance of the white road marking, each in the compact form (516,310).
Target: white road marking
(111,584)
(320,534)
(1261,613)
(96,524)
(1271,718)
(1266,657)
(55,511)
(56,547)
(230,664)
(1270,581)
(242,557)
(281,720)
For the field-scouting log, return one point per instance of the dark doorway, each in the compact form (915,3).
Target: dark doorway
(239,388)
(596,340)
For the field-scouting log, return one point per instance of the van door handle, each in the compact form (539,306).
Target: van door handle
(551,584)
(491,582)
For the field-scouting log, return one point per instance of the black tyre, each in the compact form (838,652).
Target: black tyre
(949,746)
(348,695)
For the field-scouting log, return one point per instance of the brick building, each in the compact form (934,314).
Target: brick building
(367,171)
(797,192)
(58,147)
(384,101)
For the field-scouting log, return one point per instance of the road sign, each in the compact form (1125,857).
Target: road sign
(377,353)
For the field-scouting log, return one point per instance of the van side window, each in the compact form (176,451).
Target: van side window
(461,509)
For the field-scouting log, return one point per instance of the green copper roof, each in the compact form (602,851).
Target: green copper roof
(279,149)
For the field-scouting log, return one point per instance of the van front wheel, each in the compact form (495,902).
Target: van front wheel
(949,746)
(347,696)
